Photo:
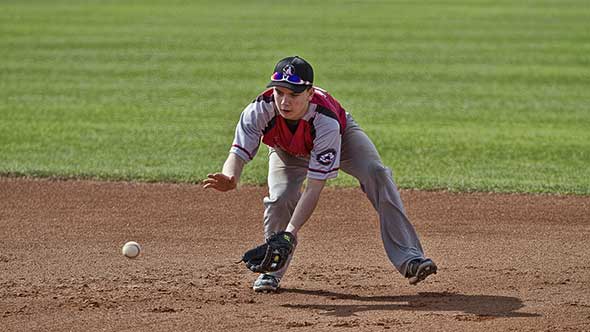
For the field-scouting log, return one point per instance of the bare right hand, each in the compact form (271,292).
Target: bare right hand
(220,181)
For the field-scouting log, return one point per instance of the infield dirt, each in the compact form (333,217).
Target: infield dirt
(507,262)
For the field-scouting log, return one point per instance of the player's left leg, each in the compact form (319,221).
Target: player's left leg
(361,160)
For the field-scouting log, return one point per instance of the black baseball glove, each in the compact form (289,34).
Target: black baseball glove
(272,255)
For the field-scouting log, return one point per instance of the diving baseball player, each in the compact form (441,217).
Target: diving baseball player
(310,136)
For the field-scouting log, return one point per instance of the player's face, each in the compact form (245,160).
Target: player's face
(292,105)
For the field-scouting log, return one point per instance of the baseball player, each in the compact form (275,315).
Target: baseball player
(310,136)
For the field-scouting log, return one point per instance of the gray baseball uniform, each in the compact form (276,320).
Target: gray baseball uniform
(325,140)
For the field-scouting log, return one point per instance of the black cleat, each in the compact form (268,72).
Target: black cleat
(419,269)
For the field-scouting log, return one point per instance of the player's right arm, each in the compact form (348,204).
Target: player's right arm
(229,177)
(249,130)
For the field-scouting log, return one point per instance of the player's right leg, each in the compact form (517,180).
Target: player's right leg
(285,178)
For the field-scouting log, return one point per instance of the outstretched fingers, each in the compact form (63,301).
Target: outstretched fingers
(219,181)
(210,181)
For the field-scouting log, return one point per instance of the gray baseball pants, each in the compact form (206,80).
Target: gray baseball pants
(360,159)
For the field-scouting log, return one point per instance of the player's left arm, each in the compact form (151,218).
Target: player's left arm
(306,205)
(324,164)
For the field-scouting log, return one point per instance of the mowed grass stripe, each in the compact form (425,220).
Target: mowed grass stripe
(463,95)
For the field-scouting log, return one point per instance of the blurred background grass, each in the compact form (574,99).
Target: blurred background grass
(459,95)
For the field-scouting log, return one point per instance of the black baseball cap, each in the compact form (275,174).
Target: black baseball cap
(293,73)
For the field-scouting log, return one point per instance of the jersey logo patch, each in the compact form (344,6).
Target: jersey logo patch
(327,157)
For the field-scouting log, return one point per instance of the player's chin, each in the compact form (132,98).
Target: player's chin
(287,114)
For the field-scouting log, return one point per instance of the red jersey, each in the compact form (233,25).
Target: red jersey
(317,134)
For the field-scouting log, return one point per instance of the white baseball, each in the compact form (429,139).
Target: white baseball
(131,249)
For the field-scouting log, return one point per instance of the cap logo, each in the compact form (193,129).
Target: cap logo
(288,70)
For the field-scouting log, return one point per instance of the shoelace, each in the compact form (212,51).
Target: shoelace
(413,267)
(268,277)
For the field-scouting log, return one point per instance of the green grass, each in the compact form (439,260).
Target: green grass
(458,95)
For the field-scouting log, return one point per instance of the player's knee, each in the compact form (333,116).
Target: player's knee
(283,199)
(375,174)
(379,172)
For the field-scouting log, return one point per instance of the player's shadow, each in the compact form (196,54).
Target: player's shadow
(490,306)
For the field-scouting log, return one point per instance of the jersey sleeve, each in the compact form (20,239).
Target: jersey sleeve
(249,131)
(324,160)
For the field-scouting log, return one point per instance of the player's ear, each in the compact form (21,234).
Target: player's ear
(309,92)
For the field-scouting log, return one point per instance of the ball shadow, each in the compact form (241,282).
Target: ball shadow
(492,306)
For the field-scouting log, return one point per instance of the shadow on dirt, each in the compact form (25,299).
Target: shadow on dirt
(491,306)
